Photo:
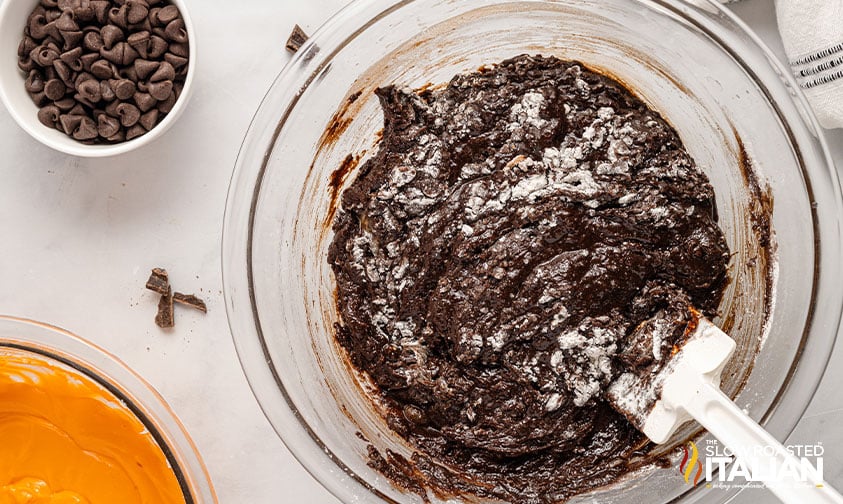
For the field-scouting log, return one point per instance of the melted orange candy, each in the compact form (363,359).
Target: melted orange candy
(65,439)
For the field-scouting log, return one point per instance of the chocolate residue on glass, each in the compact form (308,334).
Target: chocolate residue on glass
(338,177)
(495,261)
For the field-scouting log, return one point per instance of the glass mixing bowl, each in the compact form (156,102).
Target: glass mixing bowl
(737,110)
(140,398)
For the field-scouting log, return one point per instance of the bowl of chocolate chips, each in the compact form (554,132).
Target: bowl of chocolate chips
(454,228)
(95,78)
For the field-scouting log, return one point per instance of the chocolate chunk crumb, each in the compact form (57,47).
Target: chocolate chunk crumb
(190,300)
(297,39)
(159,281)
(165,317)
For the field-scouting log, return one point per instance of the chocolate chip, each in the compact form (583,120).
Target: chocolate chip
(38,26)
(27,44)
(107,126)
(123,88)
(55,89)
(129,73)
(137,11)
(113,55)
(81,102)
(153,16)
(167,14)
(90,90)
(34,82)
(53,15)
(72,59)
(176,31)
(165,71)
(80,78)
(40,99)
(167,105)
(111,109)
(63,71)
(87,129)
(180,49)
(149,119)
(25,63)
(144,25)
(69,122)
(50,73)
(65,104)
(52,45)
(89,59)
(121,54)
(92,41)
(143,68)
(117,16)
(67,22)
(156,47)
(144,101)
(111,35)
(84,12)
(49,115)
(106,92)
(139,40)
(44,55)
(128,113)
(120,136)
(102,69)
(101,10)
(176,61)
(160,90)
(77,109)
(134,132)
(71,39)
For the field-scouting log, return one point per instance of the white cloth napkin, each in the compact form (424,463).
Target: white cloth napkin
(812,32)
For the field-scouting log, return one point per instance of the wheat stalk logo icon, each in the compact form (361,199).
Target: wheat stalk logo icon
(690,461)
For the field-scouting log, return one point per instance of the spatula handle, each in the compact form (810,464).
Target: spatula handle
(725,421)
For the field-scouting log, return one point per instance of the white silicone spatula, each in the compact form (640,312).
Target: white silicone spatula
(688,387)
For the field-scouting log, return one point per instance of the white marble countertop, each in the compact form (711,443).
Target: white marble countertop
(81,235)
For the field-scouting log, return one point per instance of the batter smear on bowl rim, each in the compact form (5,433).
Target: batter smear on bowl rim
(522,236)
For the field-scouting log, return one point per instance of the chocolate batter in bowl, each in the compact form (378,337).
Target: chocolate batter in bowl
(319,124)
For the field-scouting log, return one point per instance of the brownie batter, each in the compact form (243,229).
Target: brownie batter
(523,236)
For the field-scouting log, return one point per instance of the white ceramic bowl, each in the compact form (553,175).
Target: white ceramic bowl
(13,16)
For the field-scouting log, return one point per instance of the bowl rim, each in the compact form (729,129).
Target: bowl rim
(350,22)
(139,396)
(75,148)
